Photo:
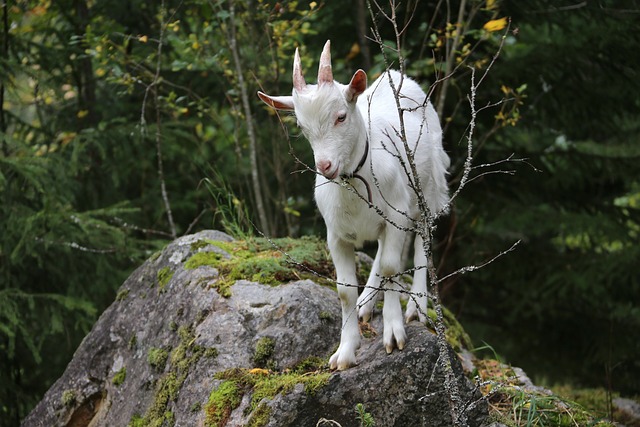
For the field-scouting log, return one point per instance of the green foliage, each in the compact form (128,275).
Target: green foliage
(563,305)
(513,405)
(364,418)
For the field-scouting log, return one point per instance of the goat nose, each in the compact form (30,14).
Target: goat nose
(323,166)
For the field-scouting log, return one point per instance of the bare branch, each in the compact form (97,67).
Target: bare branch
(470,268)
(153,87)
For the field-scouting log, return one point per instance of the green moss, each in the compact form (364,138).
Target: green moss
(262,384)
(119,377)
(133,342)
(200,259)
(166,391)
(325,316)
(260,417)
(155,256)
(267,262)
(310,364)
(455,333)
(223,287)
(170,419)
(222,401)
(122,295)
(201,243)
(164,276)
(69,398)
(211,353)
(594,400)
(137,421)
(167,387)
(262,357)
(157,358)
(269,386)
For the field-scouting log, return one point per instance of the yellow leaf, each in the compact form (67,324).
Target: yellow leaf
(491,4)
(143,39)
(258,371)
(495,24)
(355,50)
(66,137)
(82,113)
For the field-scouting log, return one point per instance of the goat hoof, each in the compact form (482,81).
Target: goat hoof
(364,315)
(410,317)
(342,359)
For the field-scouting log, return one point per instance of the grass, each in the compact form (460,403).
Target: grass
(517,406)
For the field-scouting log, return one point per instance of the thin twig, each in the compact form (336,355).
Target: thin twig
(158,135)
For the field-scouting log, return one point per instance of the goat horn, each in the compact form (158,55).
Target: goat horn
(298,78)
(325,75)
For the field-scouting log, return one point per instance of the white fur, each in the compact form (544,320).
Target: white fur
(349,219)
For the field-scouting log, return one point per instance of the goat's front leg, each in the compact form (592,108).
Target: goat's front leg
(343,255)
(390,246)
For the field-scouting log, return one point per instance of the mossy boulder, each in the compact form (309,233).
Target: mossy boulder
(214,332)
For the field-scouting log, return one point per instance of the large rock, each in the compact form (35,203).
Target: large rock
(180,345)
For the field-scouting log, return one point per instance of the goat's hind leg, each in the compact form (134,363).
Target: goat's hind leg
(369,296)
(394,334)
(417,305)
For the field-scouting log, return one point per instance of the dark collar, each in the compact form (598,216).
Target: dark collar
(362,161)
(354,174)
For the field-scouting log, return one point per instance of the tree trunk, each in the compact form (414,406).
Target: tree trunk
(86,80)
(253,143)
(361,26)
(5,56)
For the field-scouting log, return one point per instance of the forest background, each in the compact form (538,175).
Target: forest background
(127,123)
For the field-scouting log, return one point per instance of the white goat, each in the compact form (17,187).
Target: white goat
(353,132)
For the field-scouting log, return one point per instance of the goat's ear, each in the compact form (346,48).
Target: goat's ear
(357,85)
(277,102)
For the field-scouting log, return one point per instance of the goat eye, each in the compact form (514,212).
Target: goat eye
(341,118)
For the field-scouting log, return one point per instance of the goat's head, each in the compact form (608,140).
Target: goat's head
(327,115)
